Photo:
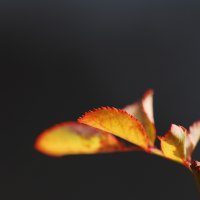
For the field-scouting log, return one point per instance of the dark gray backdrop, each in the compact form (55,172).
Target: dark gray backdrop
(62,58)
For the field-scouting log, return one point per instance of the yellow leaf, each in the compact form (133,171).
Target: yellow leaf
(143,111)
(173,144)
(117,122)
(75,138)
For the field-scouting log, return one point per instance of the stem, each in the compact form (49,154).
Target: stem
(198,183)
(195,167)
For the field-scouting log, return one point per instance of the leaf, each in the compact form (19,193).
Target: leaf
(173,144)
(192,138)
(143,111)
(117,122)
(75,138)
(194,133)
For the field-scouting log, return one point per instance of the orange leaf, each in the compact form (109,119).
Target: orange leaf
(173,144)
(143,111)
(75,138)
(117,122)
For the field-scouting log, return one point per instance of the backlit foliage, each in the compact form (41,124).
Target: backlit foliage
(102,130)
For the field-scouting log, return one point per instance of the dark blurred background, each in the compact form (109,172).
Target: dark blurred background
(61,58)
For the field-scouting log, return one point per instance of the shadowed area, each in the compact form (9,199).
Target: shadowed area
(62,58)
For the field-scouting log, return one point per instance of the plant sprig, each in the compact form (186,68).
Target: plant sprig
(100,130)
